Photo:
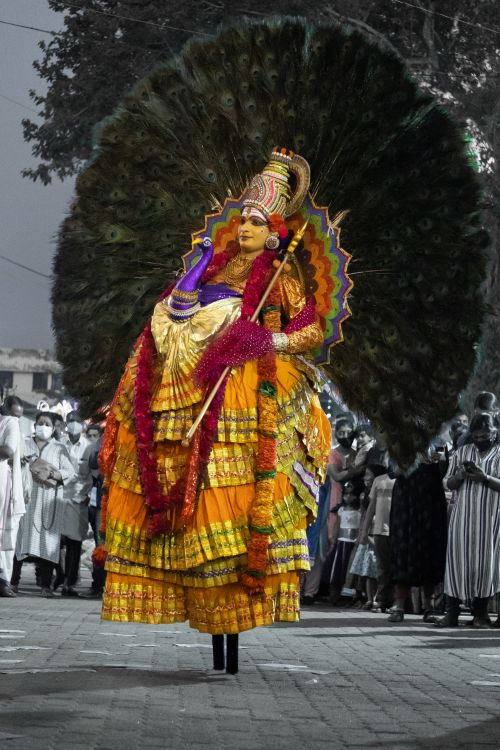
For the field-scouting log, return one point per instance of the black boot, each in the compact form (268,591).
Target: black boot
(480,617)
(218,651)
(232,654)
(450,619)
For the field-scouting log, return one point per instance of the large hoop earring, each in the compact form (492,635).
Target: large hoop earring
(272,242)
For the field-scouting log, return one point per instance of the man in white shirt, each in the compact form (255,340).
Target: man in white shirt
(12,506)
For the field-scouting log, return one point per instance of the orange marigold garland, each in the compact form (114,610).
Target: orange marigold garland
(99,556)
(261,522)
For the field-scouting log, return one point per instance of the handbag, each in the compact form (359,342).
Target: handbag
(41,470)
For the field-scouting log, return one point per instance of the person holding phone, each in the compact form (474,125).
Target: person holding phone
(473,554)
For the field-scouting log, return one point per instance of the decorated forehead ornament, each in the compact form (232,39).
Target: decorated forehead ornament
(270,191)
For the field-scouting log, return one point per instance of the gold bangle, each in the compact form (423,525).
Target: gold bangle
(188,296)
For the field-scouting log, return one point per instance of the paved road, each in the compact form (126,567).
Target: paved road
(338,679)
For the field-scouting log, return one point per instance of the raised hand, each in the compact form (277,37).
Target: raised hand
(189,283)
(183,301)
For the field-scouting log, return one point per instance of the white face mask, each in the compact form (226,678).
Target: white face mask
(75,428)
(43,431)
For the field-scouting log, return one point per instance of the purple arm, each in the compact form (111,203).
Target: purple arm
(184,296)
(191,280)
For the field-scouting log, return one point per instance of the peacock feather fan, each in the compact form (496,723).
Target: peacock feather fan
(199,127)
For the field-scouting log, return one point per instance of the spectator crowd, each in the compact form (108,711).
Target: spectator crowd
(50,497)
(426,540)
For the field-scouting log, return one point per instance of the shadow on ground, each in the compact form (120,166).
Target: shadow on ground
(485,734)
(90,678)
(435,639)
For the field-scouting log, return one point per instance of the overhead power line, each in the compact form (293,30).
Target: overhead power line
(13,101)
(31,28)
(463,21)
(26,268)
(195,32)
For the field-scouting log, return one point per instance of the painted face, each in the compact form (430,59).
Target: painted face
(252,232)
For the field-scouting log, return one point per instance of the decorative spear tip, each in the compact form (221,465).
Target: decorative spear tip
(297,237)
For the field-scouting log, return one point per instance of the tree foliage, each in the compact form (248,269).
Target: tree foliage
(451,46)
(107,45)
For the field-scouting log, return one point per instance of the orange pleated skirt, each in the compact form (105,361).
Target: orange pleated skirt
(194,574)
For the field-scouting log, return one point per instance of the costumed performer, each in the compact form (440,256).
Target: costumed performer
(215,532)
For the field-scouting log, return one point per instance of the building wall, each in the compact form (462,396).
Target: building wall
(22,382)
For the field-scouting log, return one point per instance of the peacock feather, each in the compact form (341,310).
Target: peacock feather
(198,128)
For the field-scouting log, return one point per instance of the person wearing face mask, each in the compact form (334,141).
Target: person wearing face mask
(340,457)
(484,403)
(94,433)
(75,493)
(60,432)
(459,427)
(473,554)
(51,469)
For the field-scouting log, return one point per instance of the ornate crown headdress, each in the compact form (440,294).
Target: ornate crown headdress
(270,191)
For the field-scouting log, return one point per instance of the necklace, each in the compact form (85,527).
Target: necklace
(237,270)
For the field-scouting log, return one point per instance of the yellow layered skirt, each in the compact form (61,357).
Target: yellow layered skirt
(194,574)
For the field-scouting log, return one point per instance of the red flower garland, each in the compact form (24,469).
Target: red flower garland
(261,520)
(144,426)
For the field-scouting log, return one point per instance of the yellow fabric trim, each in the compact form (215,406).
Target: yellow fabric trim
(293,295)
(191,548)
(315,430)
(227,609)
(284,557)
(306,339)
(173,425)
